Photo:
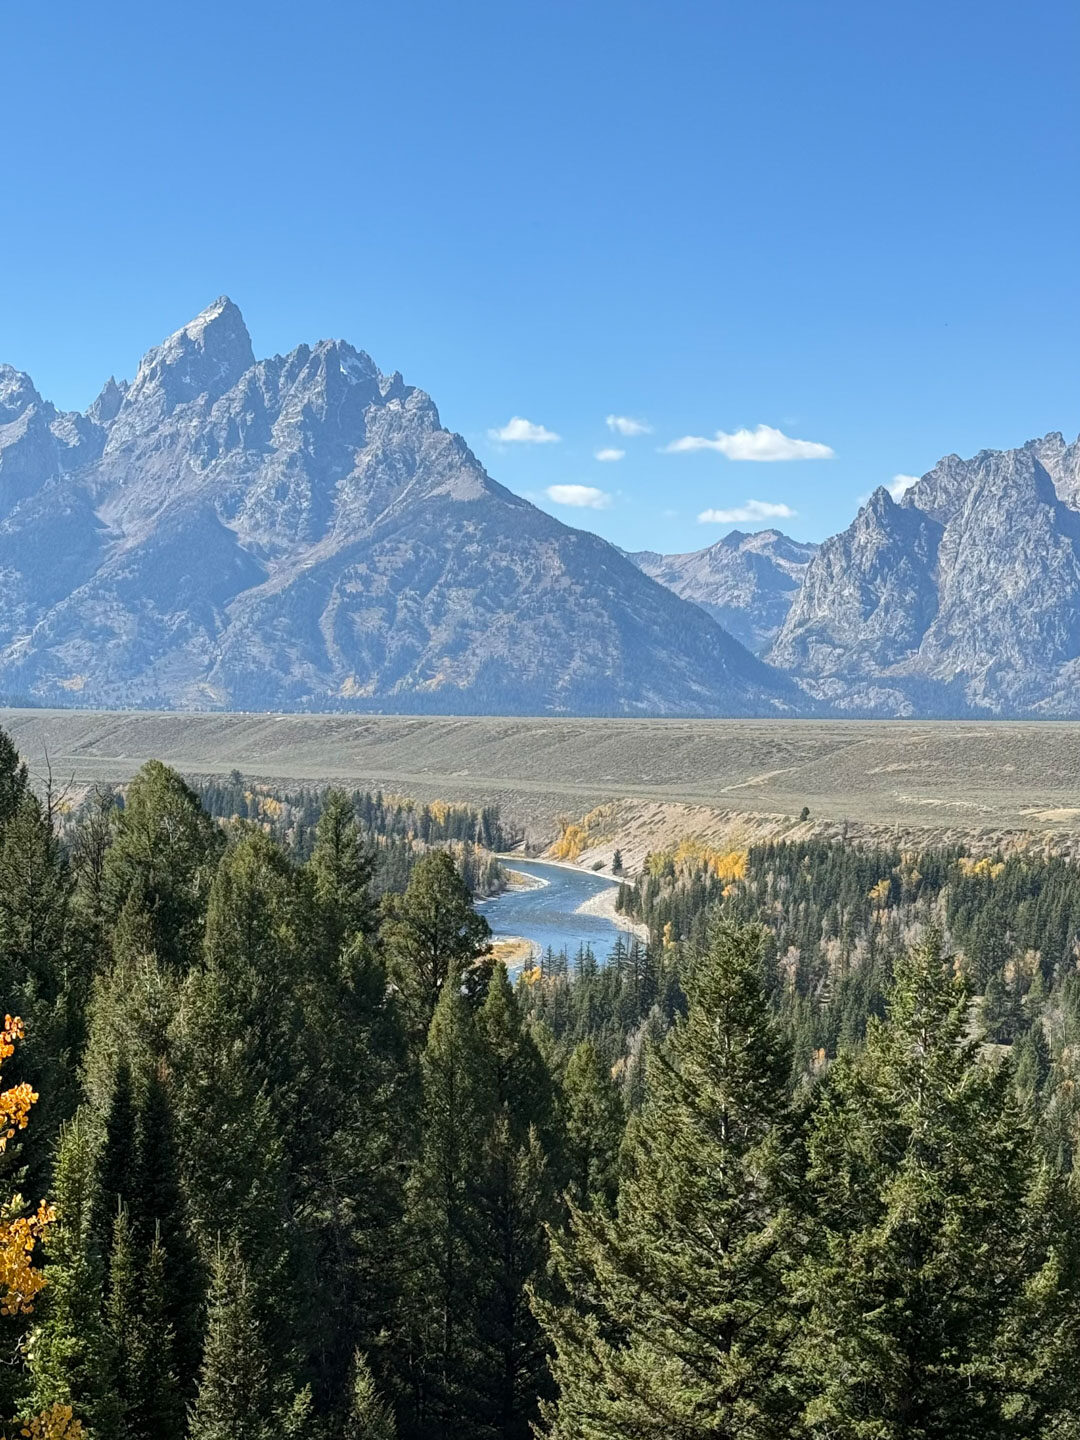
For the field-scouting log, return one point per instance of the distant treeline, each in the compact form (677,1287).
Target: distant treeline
(396,827)
(838,916)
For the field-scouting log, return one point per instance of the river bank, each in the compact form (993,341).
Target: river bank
(553,906)
(603,905)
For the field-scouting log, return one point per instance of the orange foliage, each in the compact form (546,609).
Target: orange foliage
(20,1233)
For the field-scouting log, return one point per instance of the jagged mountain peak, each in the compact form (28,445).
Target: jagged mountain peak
(965,596)
(880,503)
(204,358)
(17,394)
(108,401)
(302,532)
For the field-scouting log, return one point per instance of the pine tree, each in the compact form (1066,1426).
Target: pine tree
(70,1347)
(925,1240)
(429,933)
(13,779)
(676,1319)
(515,1198)
(369,1417)
(341,867)
(595,1122)
(240,1396)
(162,860)
(444,1230)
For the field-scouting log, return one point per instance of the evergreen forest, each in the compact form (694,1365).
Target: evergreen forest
(287,1153)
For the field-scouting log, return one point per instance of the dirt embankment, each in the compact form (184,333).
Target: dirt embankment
(633,829)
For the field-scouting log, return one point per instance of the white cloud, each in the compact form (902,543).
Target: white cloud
(582,497)
(626,425)
(900,484)
(750,513)
(523,432)
(609,455)
(764,443)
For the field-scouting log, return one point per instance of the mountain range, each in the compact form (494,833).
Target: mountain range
(301,532)
(963,598)
(747,583)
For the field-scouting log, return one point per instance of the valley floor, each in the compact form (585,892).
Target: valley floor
(913,780)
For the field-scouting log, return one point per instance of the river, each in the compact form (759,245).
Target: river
(548,914)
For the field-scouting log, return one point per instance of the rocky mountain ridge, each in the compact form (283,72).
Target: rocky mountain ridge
(963,598)
(746,582)
(301,532)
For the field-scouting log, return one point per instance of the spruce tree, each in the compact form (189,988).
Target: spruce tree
(595,1122)
(70,1347)
(123,1319)
(926,1239)
(239,1090)
(369,1417)
(116,1158)
(429,933)
(341,868)
(155,1409)
(357,1135)
(444,1380)
(163,860)
(162,1229)
(240,1395)
(676,1319)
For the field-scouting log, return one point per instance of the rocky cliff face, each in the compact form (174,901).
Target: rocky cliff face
(302,532)
(964,598)
(745,582)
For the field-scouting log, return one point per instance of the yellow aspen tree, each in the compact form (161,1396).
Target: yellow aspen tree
(20,1234)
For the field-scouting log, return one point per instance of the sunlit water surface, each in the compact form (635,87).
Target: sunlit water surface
(548,915)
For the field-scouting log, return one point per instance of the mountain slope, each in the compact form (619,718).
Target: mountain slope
(745,582)
(962,599)
(301,532)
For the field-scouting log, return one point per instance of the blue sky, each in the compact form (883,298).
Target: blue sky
(853,224)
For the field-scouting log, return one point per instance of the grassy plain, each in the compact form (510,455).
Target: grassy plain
(955,777)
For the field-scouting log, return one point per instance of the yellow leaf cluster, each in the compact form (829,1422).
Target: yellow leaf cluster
(571,842)
(879,893)
(984,868)
(20,1283)
(14,1103)
(692,853)
(56,1423)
